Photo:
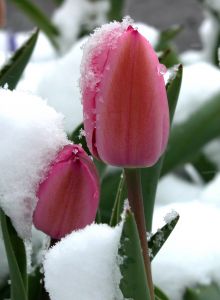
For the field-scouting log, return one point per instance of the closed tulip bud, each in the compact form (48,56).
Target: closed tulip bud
(126,115)
(68,197)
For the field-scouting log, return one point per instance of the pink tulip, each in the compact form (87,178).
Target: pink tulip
(68,197)
(126,115)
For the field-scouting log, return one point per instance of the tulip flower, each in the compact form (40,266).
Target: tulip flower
(68,197)
(126,115)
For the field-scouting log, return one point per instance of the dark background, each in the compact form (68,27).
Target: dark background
(159,13)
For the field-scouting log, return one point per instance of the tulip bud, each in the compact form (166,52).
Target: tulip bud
(126,115)
(68,197)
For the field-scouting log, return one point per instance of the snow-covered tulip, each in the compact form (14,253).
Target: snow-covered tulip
(126,115)
(68,197)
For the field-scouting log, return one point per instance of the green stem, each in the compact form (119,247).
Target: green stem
(135,198)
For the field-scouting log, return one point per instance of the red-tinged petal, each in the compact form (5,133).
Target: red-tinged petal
(68,198)
(132,123)
(95,59)
(128,106)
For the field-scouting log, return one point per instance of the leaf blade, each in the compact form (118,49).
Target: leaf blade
(134,281)
(11,72)
(150,176)
(158,239)
(187,139)
(39,19)
(16,256)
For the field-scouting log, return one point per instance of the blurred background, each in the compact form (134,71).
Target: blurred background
(159,13)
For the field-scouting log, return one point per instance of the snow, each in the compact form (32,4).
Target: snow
(209,32)
(191,56)
(105,37)
(82,266)
(214,4)
(31,135)
(59,84)
(213,153)
(192,252)
(75,14)
(149,32)
(211,192)
(64,95)
(197,89)
(71,265)
(170,216)
(42,52)
(181,191)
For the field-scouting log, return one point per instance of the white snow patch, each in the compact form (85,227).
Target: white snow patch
(209,31)
(212,150)
(43,50)
(83,265)
(199,85)
(191,255)
(170,216)
(211,192)
(59,84)
(181,191)
(191,57)
(73,14)
(197,89)
(31,135)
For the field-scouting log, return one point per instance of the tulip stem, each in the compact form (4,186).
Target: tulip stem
(135,198)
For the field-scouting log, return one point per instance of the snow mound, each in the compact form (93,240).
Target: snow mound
(31,135)
(82,266)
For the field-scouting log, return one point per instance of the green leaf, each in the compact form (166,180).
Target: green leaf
(150,176)
(170,57)
(116,10)
(187,139)
(173,90)
(216,43)
(35,284)
(168,35)
(77,137)
(205,292)
(5,292)
(16,256)
(11,72)
(58,2)
(119,201)
(39,19)
(205,167)
(133,284)
(159,295)
(158,239)
(109,189)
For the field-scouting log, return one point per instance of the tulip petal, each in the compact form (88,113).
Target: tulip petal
(128,118)
(128,115)
(68,198)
